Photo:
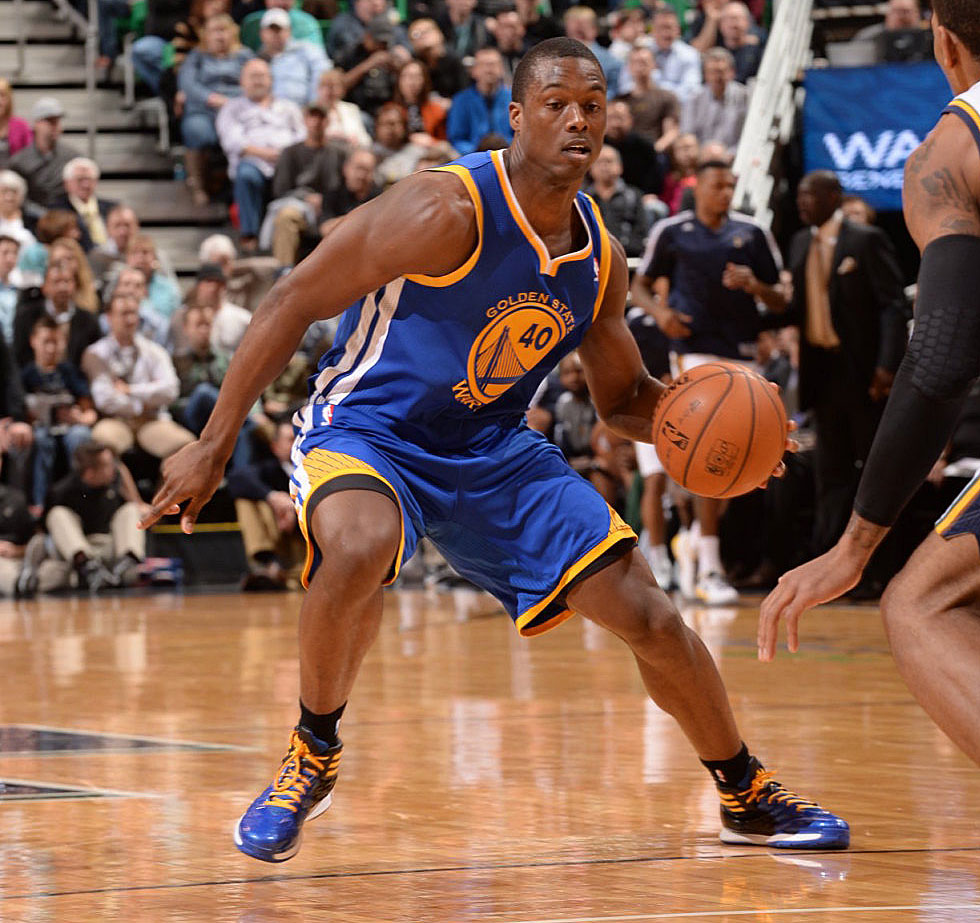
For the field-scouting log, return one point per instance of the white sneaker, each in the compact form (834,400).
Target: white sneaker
(663,571)
(715,590)
(685,552)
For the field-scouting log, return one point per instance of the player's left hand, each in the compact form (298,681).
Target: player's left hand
(818,581)
(193,474)
(737,276)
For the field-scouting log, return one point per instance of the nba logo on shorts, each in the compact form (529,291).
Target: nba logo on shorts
(722,458)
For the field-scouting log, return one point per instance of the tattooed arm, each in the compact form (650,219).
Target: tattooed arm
(942,192)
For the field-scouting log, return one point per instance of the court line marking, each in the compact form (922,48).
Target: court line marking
(188,746)
(442,869)
(701,914)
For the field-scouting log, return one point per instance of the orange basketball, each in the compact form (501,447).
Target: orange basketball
(720,430)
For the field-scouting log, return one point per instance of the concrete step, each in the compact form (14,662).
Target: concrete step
(45,65)
(40,23)
(125,155)
(163,202)
(181,245)
(109,113)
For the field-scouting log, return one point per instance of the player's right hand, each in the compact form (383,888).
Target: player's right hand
(673,324)
(193,474)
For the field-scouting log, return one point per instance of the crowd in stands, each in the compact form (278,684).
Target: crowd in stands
(295,116)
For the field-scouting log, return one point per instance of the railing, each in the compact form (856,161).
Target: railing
(773,107)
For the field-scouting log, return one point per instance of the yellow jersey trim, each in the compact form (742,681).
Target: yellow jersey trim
(968,109)
(464,270)
(618,530)
(605,263)
(548,266)
(326,467)
(968,495)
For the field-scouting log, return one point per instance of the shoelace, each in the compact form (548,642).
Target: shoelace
(294,778)
(765,784)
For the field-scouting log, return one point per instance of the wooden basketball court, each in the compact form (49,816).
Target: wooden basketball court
(485,778)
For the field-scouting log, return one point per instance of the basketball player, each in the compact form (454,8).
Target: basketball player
(479,276)
(932,608)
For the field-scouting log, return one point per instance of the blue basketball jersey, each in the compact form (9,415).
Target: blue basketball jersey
(437,359)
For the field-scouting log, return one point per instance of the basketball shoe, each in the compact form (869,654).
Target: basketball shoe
(714,590)
(761,812)
(272,827)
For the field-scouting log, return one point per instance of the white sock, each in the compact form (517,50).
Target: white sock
(709,557)
(659,557)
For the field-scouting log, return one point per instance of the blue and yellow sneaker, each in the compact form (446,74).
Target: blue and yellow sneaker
(272,827)
(763,813)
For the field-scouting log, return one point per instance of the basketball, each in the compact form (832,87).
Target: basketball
(720,430)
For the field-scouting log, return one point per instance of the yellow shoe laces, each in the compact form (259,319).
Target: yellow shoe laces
(293,780)
(777,794)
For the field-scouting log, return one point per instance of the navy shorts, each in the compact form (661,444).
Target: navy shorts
(508,513)
(963,515)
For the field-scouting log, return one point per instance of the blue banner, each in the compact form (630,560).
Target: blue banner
(863,122)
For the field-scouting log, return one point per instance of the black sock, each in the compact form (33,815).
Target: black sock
(323,727)
(730,772)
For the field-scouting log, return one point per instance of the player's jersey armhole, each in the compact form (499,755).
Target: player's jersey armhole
(605,260)
(464,270)
(968,114)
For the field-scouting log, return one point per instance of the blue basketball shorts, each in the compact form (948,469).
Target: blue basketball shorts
(508,513)
(963,515)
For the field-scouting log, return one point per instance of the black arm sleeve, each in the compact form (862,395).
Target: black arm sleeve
(933,380)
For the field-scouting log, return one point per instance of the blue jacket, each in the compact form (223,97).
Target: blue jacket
(470,118)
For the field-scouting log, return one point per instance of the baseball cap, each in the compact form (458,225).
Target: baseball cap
(275,17)
(47,107)
(380,29)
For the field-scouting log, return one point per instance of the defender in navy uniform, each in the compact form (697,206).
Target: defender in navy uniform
(932,608)
(480,276)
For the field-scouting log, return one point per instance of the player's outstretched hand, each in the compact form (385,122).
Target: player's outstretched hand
(818,581)
(193,474)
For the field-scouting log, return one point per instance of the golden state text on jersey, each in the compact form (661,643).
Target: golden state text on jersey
(443,356)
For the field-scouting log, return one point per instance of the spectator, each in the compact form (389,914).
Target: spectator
(482,108)
(717,111)
(133,382)
(684,155)
(900,15)
(849,304)
(464,29)
(678,64)
(628,29)
(121,226)
(358,186)
(737,36)
(344,121)
(15,133)
(13,190)
(162,290)
(641,165)
(446,68)
(16,530)
(174,23)
(56,299)
(302,25)
(230,320)
(348,28)
(131,283)
(16,434)
(426,113)
(266,514)
(304,174)
(700,278)
(33,261)
(248,278)
(396,156)
(42,162)
(296,66)
(209,77)
(58,402)
(704,30)
(581,23)
(537,25)
(857,211)
(66,250)
(370,66)
(80,177)
(656,112)
(621,206)
(510,39)
(200,370)
(9,293)
(253,130)
(93,521)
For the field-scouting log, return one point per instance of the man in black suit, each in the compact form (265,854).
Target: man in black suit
(80,177)
(849,303)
